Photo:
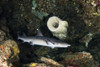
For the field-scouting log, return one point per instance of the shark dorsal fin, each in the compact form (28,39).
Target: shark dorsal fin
(39,33)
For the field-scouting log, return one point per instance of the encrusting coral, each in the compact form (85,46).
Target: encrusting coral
(9,53)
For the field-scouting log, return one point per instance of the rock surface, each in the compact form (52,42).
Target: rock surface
(9,53)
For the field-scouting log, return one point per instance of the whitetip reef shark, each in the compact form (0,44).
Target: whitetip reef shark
(43,41)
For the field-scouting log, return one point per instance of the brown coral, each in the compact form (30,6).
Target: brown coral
(9,53)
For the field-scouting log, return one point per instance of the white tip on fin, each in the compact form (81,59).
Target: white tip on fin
(39,33)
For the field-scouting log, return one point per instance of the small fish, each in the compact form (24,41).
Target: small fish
(43,41)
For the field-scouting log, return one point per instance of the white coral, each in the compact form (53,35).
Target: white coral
(58,27)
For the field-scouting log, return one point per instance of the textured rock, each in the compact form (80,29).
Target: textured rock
(42,51)
(80,59)
(50,62)
(2,35)
(36,64)
(9,53)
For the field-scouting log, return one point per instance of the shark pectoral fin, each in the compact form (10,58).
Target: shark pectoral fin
(52,47)
(49,43)
(32,43)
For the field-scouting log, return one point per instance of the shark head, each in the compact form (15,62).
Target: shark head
(57,44)
(61,45)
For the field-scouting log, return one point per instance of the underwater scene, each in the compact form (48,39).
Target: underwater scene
(49,33)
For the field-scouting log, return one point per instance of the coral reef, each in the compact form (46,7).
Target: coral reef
(36,65)
(9,53)
(25,16)
(2,35)
(51,62)
(86,39)
(79,59)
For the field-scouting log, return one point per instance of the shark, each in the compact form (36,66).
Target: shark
(40,40)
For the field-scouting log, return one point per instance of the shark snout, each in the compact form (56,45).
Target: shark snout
(68,45)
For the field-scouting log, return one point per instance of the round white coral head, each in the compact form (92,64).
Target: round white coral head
(58,27)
